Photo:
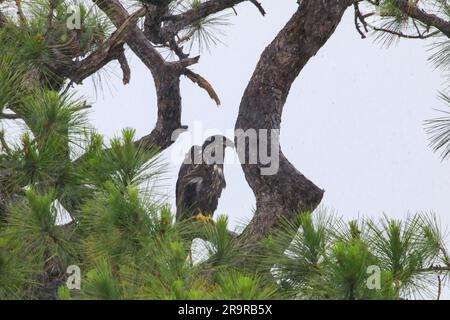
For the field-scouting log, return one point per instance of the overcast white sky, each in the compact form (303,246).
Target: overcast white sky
(353,122)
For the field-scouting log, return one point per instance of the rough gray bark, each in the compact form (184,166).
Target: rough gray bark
(285,194)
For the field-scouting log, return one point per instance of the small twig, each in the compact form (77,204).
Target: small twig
(435,269)
(20,13)
(173,45)
(3,142)
(85,106)
(125,68)
(361,18)
(184,63)
(259,6)
(65,44)
(186,37)
(403,35)
(416,26)
(51,10)
(69,85)
(439,288)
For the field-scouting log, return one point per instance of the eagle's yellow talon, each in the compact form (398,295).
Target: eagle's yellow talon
(203,218)
(200,217)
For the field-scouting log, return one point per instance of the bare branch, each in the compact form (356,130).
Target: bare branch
(419,35)
(109,50)
(413,11)
(443,269)
(136,40)
(203,83)
(180,66)
(259,6)
(360,18)
(125,68)
(175,23)
(20,13)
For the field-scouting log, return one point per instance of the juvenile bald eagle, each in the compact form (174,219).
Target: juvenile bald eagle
(201,179)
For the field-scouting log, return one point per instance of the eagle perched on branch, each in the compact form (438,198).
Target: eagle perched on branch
(201,179)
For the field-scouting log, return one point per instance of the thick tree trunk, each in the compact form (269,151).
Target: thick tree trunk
(169,112)
(288,192)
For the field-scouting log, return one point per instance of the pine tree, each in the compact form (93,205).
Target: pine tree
(70,198)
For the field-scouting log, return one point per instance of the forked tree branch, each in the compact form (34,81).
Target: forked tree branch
(109,50)
(136,39)
(166,77)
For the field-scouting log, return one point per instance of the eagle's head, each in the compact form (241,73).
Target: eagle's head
(213,149)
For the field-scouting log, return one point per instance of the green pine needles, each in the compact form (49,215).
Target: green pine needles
(364,259)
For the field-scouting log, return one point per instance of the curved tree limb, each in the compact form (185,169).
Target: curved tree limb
(184,19)
(288,192)
(426,18)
